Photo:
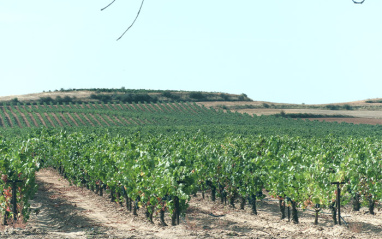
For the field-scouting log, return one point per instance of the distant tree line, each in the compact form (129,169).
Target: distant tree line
(134,96)
(373,101)
(57,100)
(125,98)
(339,107)
(170,95)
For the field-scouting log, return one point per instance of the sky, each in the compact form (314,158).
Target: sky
(301,51)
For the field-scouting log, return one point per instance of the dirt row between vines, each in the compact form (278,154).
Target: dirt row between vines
(373,117)
(60,210)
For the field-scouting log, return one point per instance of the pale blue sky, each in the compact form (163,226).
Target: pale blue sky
(297,51)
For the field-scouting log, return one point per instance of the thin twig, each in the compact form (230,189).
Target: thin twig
(133,21)
(108,5)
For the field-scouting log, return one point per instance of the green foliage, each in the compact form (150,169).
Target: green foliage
(197,95)
(333,107)
(162,151)
(373,101)
(265,105)
(57,100)
(159,167)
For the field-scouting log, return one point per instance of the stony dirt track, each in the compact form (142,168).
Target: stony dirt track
(60,210)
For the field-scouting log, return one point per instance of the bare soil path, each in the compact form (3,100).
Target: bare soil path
(49,119)
(87,119)
(60,210)
(64,119)
(24,117)
(41,119)
(57,119)
(1,121)
(95,119)
(9,118)
(118,120)
(15,117)
(33,119)
(72,119)
(103,120)
(79,118)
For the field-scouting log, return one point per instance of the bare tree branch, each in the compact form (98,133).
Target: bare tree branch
(108,5)
(133,21)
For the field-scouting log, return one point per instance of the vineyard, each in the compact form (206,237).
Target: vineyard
(156,156)
(164,118)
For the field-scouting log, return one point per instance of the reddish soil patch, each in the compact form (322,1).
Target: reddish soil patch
(16,118)
(1,121)
(94,118)
(169,107)
(72,119)
(90,122)
(127,122)
(110,119)
(41,119)
(113,106)
(139,107)
(118,120)
(108,106)
(64,119)
(103,120)
(7,116)
(79,118)
(24,117)
(57,119)
(118,107)
(33,119)
(132,107)
(99,106)
(49,119)
(158,107)
(162,108)
(175,107)
(151,108)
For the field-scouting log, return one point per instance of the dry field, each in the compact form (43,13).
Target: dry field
(360,116)
(37,96)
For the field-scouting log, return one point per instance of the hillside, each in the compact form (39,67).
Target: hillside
(122,107)
(146,163)
(121,95)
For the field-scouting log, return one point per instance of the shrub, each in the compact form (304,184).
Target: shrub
(197,95)
(46,100)
(332,107)
(225,97)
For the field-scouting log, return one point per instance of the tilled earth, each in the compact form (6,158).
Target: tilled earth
(60,210)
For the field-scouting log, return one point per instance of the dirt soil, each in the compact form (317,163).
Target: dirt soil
(363,116)
(36,96)
(60,210)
